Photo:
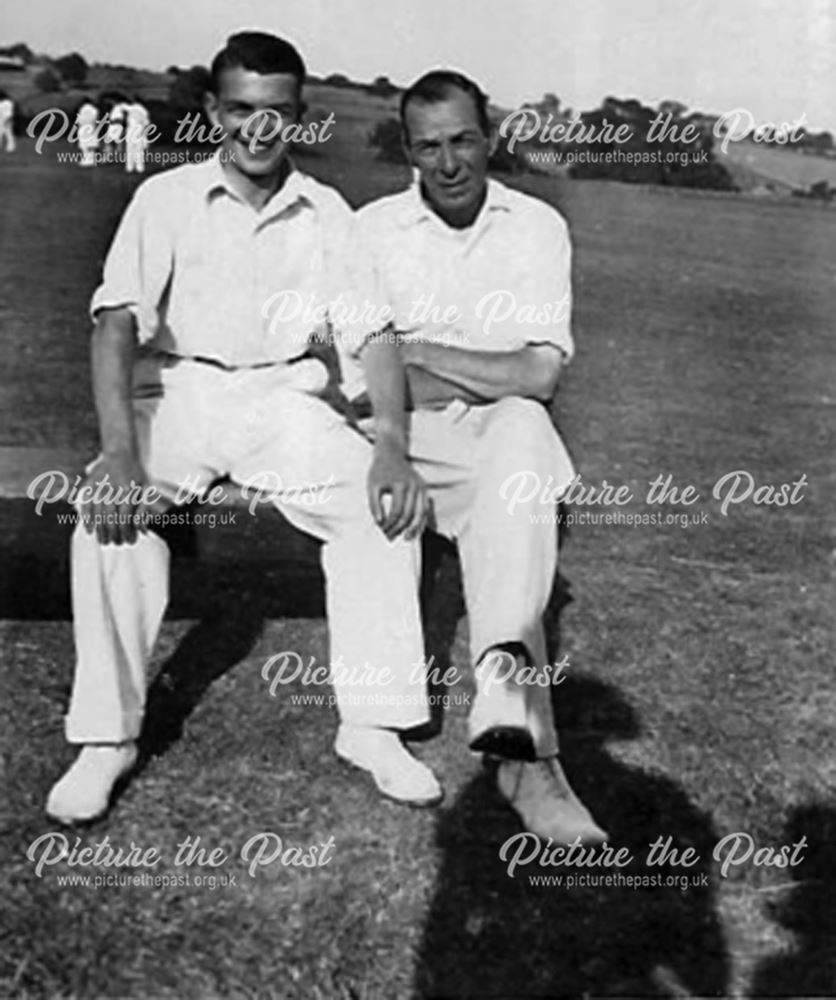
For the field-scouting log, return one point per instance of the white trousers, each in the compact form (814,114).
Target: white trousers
(7,136)
(468,456)
(134,157)
(209,423)
(88,148)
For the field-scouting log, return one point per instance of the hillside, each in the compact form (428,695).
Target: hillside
(355,110)
(753,168)
(753,165)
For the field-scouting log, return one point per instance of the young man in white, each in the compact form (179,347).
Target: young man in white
(224,386)
(478,277)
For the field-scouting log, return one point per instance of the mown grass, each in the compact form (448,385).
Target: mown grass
(699,698)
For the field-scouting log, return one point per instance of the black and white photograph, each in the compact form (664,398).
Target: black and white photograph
(417,523)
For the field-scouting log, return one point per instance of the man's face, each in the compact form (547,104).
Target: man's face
(451,152)
(254,109)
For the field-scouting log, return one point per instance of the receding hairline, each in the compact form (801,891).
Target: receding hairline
(439,86)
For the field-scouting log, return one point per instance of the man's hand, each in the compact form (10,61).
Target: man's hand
(391,476)
(397,495)
(115,514)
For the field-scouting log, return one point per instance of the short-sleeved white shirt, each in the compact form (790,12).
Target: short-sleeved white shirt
(137,121)
(498,285)
(88,114)
(208,276)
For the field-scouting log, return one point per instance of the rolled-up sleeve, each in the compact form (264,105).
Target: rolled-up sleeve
(138,264)
(547,282)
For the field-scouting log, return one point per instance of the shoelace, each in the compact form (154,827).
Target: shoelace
(553,776)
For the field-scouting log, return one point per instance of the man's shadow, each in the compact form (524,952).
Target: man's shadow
(808,910)
(488,934)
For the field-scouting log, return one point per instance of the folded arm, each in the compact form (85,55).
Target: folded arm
(531,371)
(428,390)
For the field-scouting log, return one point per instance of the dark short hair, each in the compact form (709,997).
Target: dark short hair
(259,52)
(435,86)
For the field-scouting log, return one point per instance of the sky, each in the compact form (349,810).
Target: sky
(774,58)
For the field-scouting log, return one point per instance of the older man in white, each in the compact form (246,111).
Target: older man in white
(478,277)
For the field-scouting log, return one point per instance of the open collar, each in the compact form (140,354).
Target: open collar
(298,187)
(415,209)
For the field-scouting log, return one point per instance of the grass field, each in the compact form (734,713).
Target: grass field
(699,700)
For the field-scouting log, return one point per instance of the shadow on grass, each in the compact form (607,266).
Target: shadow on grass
(263,553)
(206,653)
(442,605)
(488,934)
(809,912)
(232,600)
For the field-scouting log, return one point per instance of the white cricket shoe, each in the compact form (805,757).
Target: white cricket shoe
(542,797)
(395,771)
(83,794)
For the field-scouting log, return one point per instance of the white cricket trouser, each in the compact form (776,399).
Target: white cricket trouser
(88,152)
(250,423)
(113,137)
(134,157)
(7,136)
(508,560)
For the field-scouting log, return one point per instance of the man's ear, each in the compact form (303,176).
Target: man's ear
(493,142)
(407,150)
(210,106)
